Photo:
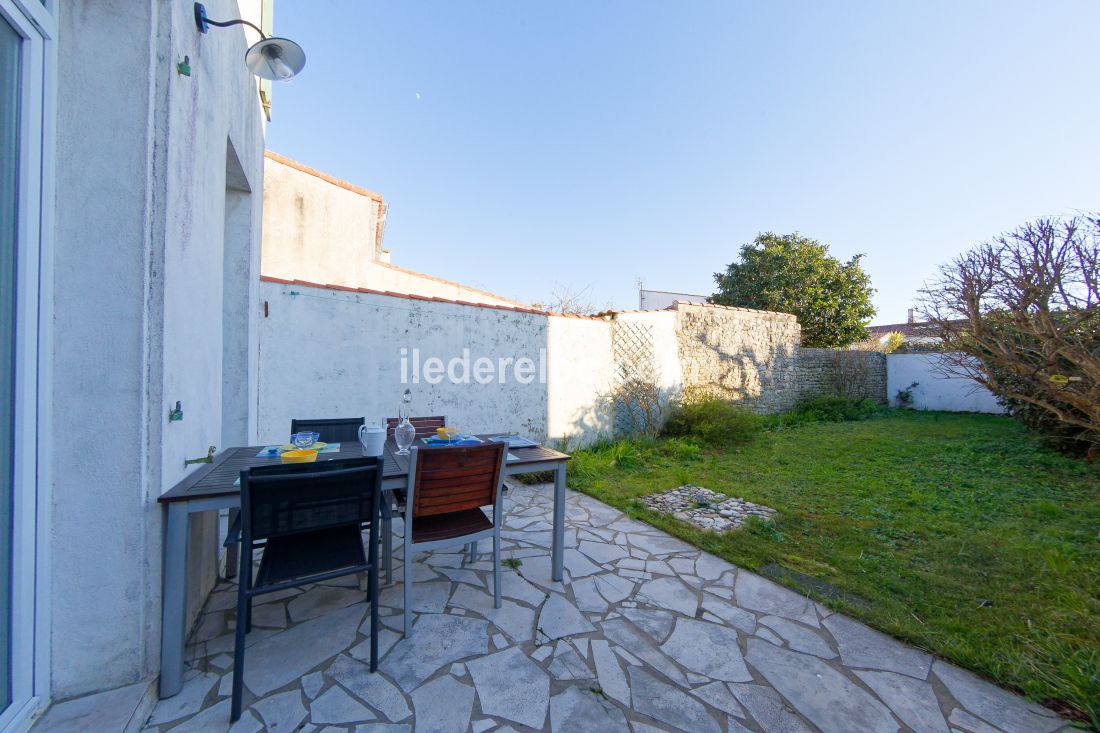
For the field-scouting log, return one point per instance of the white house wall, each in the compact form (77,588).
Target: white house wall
(138,286)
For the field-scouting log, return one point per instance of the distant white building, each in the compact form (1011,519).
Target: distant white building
(659,300)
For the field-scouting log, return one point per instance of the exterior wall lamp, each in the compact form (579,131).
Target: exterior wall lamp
(278,59)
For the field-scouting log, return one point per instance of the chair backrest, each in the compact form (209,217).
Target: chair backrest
(332,430)
(425,426)
(455,478)
(302,497)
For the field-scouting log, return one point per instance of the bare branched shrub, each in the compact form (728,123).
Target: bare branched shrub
(848,374)
(572,301)
(640,403)
(1019,315)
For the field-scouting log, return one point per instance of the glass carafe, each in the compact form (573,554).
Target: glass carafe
(404,434)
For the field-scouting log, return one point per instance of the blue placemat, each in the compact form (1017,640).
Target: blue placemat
(273,451)
(435,440)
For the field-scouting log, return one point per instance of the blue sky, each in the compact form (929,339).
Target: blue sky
(525,146)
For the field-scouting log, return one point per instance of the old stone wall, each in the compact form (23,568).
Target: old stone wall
(854,374)
(746,356)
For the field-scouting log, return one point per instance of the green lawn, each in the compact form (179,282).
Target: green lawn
(957,533)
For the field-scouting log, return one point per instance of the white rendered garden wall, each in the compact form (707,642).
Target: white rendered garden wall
(934,390)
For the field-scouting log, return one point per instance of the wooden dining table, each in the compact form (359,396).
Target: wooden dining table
(213,487)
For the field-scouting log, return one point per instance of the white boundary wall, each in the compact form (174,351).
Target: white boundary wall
(934,391)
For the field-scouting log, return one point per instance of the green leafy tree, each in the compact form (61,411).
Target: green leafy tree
(790,273)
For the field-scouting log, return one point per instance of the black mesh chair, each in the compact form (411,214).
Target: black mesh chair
(309,517)
(332,430)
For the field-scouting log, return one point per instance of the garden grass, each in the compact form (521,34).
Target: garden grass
(958,533)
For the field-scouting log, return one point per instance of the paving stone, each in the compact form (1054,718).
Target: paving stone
(225,686)
(668,704)
(639,727)
(1001,708)
(737,617)
(720,591)
(970,724)
(513,585)
(800,638)
(769,636)
(462,575)
(287,655)
(428,597)
(213,718)
(576,711)
(282,712)
(321,599)
(914,701)
(709,567)
(480,726)
(708,649)
(437,640)
(568,664)
(717,695)
(188,701)
(669,593)
(768,709)
(517,621)
(761,595)
(537,570)
(658,567)
(312,684)
(509,685)
(222,662)
(602,552)
(542,652)
(613,588)
(657,624)
(210,625)
(102,711)
(659,544)
(609,673)
(443,706)
(373,689)
(830,700)
(586,595)
(559,618)
(579,565)
(386,639)
(625,635)
(225,642)
(338,707)
(271,615)
(863,647)
(383,728)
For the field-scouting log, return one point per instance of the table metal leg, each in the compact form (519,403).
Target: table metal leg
(232,553)
(557,553)
(175,600)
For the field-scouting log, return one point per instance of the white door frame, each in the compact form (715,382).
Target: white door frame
(36,22)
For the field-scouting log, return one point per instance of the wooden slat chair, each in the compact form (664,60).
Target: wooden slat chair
(448,486)
(425,427)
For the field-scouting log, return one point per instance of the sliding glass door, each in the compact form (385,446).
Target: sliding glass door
(10,74)
(24,93)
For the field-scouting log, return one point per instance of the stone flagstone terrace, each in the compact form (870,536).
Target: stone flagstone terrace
(646,634)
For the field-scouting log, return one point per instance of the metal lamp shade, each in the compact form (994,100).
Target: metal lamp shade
(260,58)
